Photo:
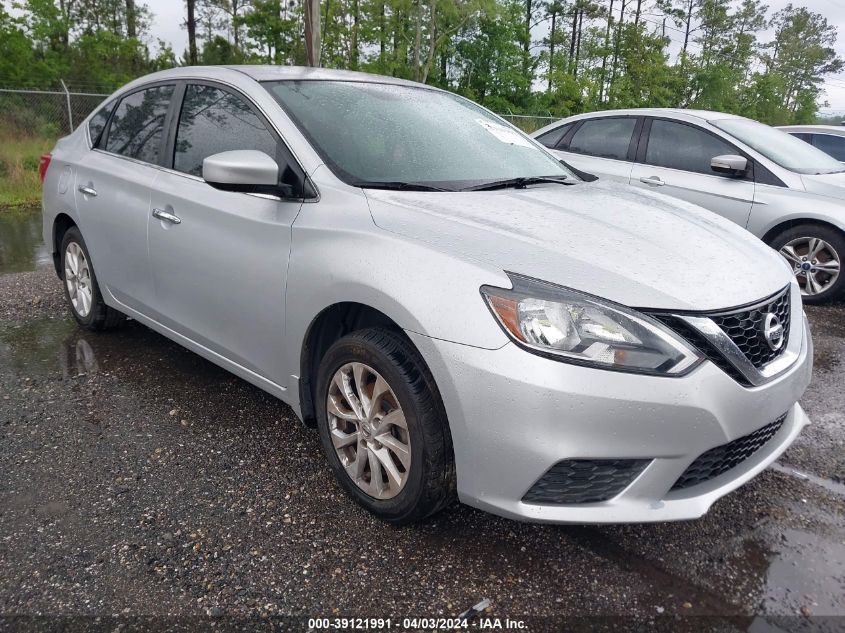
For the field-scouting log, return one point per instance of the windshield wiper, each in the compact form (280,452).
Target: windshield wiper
(396,185)
(519,183)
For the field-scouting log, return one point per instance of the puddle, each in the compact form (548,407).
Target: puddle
(804,571)
(828,484)
(58,348)
(47,346)
(21,245)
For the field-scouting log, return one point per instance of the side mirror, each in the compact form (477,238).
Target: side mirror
(244,170)
(729,164)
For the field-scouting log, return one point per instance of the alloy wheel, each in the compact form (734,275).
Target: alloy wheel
(368,430)
(816,263)
(78,279)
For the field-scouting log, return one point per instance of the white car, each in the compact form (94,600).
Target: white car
(453,309)
(787,193)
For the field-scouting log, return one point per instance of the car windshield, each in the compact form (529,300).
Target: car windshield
(780,147)
(382,135)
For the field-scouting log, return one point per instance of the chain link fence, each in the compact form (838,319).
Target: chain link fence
(529,122)
(43,113)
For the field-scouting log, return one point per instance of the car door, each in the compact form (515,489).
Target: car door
(113,193)
(219,258)
(674,158)
(601,146)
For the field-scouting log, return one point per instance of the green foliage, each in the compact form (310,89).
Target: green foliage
(555,57)
(19,158)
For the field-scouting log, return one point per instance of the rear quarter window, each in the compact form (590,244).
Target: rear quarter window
(552,138)
(97,123)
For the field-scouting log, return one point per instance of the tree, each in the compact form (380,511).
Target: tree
(312,32)
(192,32)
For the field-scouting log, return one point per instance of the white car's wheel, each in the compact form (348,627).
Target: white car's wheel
(816,254)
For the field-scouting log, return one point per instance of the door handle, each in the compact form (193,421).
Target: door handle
(88,191)
(656,181)
(161,214)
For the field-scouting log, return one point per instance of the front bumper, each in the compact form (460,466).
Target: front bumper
(513,415)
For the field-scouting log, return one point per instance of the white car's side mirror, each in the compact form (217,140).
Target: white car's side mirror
(729,164)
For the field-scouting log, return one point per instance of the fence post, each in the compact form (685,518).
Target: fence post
(69,111)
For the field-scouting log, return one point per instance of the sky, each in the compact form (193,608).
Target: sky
(169,18)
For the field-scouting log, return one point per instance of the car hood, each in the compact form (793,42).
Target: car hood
(634,247)
(832,185)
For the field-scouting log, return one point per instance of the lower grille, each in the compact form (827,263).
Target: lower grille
(722,458)
(584,480)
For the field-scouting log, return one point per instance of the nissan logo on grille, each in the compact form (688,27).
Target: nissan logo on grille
(773,331)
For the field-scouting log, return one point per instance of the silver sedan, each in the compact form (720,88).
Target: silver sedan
(455,311)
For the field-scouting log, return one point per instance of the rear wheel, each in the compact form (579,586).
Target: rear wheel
(383,427)
(80,283)
(816,254)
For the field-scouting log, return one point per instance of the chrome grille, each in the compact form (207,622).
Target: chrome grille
(745,328)
(748,353)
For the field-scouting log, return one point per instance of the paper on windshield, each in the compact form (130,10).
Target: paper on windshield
(504,134)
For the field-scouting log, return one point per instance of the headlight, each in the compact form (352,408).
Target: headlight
(579,328)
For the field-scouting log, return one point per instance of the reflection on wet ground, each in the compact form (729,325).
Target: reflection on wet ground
(21,245)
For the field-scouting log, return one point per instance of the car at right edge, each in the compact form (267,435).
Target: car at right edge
(783,190)
(828,138)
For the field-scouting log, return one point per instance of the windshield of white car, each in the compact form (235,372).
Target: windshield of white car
(782,148)
(371,133)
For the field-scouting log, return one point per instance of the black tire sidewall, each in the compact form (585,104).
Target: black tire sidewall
(833,237)
(90,320)
(356,349)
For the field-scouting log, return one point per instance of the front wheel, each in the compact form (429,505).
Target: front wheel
(383,427)
(815,254)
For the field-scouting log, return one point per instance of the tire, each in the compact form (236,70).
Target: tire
(824,286)
(429,479)
(92,314)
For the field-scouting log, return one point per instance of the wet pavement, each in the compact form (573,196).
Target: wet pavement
(138,479)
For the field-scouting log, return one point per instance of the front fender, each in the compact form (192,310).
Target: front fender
(339,255)
(774,206)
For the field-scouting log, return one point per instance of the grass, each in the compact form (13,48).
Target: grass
(19,183)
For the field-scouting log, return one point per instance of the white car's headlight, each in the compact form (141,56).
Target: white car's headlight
(575,327)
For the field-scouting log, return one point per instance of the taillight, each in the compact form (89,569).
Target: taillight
(43,164)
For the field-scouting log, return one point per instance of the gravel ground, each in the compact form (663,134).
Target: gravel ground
(137,479)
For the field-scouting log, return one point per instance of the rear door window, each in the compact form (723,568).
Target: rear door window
(604,138)
(684,147)
(213,121)
(137,127)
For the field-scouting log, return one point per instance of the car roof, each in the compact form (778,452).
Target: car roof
(838,130)
(680,114)
(268,72)
(673,112)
